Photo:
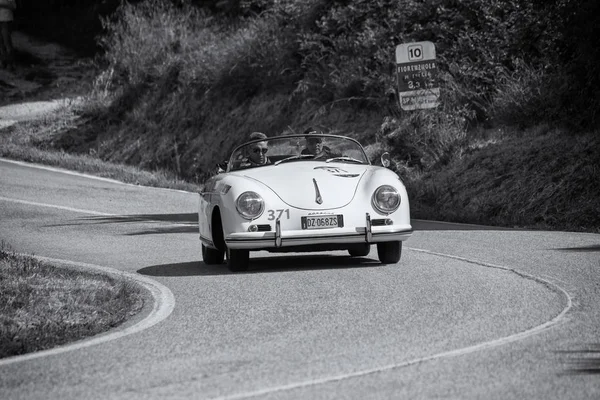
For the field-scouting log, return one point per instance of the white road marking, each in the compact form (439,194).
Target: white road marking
(77,210)
(164,303)
(82,175)
(163,309)
(62,171)
(447,354)
(555,279)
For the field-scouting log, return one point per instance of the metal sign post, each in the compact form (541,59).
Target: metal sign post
(417,76)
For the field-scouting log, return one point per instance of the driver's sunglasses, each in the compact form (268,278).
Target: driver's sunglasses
(258,150)
(315,140)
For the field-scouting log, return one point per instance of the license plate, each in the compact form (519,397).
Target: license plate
(322,221)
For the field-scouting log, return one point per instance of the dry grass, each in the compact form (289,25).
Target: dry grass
(181,89)
(540,178)
(528,95)
(43,306)
(28,141)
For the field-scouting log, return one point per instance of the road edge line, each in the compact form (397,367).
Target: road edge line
(84,175)
(164,303)
(445,354)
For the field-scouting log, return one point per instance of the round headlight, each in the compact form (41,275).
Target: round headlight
(386,199)
(250,205)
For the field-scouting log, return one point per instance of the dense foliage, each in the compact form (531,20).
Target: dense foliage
(185,80)
(343,49)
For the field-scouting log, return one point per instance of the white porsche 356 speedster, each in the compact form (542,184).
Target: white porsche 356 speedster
(297,193)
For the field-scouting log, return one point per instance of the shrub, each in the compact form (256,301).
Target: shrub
(349,49)
(145,40)
(543,178)
(424,138)
(527,96)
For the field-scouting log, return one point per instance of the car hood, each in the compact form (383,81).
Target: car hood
(310,185)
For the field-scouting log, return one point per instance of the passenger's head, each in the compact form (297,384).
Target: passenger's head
(257,135)
(314,143)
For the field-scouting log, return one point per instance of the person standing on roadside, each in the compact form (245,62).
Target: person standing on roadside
(7,59)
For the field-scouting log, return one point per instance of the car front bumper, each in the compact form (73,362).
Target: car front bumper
(350,235)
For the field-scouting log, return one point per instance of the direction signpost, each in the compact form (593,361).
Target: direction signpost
(417,76)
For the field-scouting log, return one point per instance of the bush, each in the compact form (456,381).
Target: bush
(349,49)
(424,138)
(543,178)
(339,51)
(528,96)
(187,80)
(145,41)
(195,74)
(184,81)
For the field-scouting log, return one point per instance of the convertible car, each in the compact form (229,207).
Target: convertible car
(302,198)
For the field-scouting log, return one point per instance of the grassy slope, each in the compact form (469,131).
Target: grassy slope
(539,178)
(536,178)
(43,306)
(546,180)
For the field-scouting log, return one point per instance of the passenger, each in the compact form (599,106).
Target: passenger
(256,135)
(314,145)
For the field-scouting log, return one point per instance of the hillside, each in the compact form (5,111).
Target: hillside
(514,143)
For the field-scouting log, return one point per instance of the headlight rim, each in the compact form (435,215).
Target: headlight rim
(377,205)
(245,215)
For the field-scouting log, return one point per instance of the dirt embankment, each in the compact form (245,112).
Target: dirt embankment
(46,76)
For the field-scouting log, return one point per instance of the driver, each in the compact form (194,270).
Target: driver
(256,153)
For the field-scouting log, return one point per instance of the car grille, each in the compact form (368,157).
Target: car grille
(263,228)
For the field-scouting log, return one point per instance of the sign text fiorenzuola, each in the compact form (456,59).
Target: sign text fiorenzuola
(418,66)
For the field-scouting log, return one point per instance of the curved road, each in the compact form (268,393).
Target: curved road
(470,312)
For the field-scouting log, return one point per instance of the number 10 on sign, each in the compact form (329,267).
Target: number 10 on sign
(418,51)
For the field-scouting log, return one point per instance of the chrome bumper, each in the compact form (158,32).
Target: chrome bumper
(366,234)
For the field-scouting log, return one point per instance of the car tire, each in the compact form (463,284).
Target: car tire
(389,252)
(212,256)
(360,250)
(237,260)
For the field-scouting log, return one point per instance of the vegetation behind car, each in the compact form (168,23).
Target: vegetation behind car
(180,83)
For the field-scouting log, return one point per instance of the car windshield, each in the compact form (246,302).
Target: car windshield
(297,148)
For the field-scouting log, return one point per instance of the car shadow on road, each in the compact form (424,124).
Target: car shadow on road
(585,361)
(582,249)
(424,225)
(186,218)
(165,230)
(275,264)
(185,223)
(188,223)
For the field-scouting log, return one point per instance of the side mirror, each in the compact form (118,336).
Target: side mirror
(386,160)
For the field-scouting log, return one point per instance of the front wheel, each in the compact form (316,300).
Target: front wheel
(212,256)
(360,250)
(237,260)
(389,252)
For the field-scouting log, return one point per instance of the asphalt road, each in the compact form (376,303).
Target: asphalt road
(469,312)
